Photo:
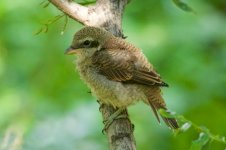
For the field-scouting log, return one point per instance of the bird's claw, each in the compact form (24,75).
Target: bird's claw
(115,116)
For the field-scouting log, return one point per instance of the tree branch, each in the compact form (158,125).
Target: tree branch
(106,14)
(72,9)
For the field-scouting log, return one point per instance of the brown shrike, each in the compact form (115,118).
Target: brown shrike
(117,72)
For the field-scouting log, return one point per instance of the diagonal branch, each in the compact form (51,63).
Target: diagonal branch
(72,9)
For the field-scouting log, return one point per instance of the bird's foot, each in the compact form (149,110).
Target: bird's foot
(101,105)
(116,115)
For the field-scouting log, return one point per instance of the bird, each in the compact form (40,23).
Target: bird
(117,72)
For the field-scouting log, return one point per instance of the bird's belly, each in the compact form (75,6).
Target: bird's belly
(110,92)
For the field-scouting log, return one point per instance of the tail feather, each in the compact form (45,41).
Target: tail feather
(171,122)
(155,112)
(156,102)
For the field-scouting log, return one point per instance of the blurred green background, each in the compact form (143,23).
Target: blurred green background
(45,106)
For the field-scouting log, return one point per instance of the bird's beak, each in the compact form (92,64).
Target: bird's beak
(71,50)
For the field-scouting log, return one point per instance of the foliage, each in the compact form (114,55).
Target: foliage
(205,135)
(183,6)
(45,27)
(44,104)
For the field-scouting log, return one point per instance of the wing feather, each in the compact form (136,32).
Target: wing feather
(127,66)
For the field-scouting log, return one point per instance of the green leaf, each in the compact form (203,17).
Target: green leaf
(45,27)
(223,139)
(204,129)
(45,4)
(166,114)
(200,142)
(38,31)
(86,2)
(65,25)
(185,126)
(183,6)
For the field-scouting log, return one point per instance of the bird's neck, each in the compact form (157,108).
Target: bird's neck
(83,61)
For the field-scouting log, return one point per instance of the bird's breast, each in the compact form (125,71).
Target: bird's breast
(110,92)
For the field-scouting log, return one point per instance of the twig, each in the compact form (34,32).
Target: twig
(72,9)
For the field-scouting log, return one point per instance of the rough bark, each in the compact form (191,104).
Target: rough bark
(106,14)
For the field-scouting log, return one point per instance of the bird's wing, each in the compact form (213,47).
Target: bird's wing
(124,66)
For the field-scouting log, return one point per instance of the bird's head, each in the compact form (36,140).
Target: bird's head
(88,40)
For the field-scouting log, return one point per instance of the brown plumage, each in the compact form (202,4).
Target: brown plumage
(116,71)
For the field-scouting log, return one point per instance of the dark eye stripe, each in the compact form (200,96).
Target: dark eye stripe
(92,44)
(87,42)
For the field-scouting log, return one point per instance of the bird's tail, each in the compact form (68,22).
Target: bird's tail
(156,102)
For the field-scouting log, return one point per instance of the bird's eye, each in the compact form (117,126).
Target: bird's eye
(86,43)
